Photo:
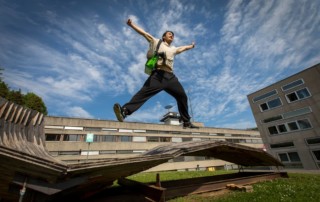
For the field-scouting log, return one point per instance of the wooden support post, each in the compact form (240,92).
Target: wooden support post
(158,183)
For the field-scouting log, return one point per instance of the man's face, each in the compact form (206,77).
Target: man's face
(168,37)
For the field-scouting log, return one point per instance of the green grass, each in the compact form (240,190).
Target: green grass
(298,187)
(173,175)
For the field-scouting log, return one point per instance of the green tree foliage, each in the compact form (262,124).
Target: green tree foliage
(30,100)
(34,102)
(16,97)
(4,89)
(1,69)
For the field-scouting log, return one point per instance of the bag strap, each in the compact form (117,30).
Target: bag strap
(157,49)
(158,46)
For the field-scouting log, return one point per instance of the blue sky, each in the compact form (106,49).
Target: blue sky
(81,57)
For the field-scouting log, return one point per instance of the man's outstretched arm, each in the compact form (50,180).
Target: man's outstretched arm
(184,48)
(139,30)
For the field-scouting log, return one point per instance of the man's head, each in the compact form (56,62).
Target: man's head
(168,36)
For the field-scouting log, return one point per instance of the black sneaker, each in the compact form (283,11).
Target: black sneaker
(118,111)
(189,125)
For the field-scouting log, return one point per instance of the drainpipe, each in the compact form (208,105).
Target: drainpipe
(23,190)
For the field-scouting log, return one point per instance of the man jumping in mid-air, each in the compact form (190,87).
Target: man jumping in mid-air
(162,78)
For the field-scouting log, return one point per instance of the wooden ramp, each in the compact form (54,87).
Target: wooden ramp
(29,172)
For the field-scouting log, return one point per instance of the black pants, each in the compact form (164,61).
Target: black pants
(158,81)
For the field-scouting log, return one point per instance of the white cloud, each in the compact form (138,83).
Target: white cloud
(148,115)
(72,59)
(241,124)
(77,111)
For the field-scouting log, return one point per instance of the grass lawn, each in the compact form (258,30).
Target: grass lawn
(298,187)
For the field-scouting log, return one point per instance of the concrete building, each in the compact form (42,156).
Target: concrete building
(67,140)
(287,114)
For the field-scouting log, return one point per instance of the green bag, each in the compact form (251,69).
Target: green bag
(152,62)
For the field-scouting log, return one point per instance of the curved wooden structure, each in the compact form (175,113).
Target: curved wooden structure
(28,171)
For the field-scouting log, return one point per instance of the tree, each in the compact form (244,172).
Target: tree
(4,90)
(16,97)
(1,69)
(30,100)
(34,102)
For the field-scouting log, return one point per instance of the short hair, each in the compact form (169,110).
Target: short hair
(166,33)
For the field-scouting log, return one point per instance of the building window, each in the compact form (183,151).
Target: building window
(264,96)
(297,112)
(165,139)
(109,138)
(282,128)
(125,130)
(298,95)
(238,141)
(304,124)
(177,159)
(289,157)
(107,152)
(176,139)
(273,130)
(153,139)
(124,151)
(68,137)
(270,104)
(294,157)
(312,141)
(109,129)
(284,157)
(54,127)
(125,138)
(86,152)
(281,145)
(139,131)
(274,118)
(292,84)
(293,126)
(152,131)
(287,115)
(53,137)
(92,129)
(139,139)
(257,141)
(104,138)
(138,151)
(186,139)
(69,153)
(290,127)
(73,128)
(316,154)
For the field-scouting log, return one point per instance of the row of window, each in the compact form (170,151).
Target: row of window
(291,97)
(118,138)
(287,115)
(274,92)
(114,130)
(289,157)
(293,157)
(101,152)
(309,141)
(302,124)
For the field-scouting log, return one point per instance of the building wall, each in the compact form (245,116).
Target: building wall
(290,128)
(66,140)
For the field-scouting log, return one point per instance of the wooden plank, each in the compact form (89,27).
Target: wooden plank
(152,192)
